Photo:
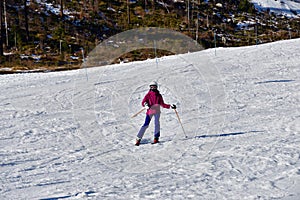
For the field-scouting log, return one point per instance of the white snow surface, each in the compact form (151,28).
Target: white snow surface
(289,8)
(70,135)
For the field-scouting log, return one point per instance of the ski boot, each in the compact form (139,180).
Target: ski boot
(155,141)
(137,142)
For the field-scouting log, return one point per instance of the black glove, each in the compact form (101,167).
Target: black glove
(146,105)
(173,106)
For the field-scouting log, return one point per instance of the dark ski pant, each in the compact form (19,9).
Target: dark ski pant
(146,125)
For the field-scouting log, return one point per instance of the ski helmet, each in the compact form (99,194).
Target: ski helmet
(153,83)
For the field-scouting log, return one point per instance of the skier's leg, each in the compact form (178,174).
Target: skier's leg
(144,127)
(157,125)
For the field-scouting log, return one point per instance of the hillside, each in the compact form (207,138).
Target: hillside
(70,135)
(56,35)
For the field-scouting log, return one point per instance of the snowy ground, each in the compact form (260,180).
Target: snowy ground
(70,135)
(289,8)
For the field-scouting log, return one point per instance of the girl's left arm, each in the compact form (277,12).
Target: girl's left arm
(163,104)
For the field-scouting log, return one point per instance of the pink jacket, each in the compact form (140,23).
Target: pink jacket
(154,100)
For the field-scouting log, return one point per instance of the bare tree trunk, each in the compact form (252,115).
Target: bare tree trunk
(153,6)
(26,20)
(1,31)
(5,21)
(83,9)
(96,6)
(128,12)
(61,8)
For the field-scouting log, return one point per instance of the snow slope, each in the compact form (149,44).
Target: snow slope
(289,8)
(70,135)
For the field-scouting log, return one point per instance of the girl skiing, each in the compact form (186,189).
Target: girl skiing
(152,101)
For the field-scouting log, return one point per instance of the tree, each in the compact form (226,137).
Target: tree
(96,6)
(26,20)
(5,21)
(128,12)
(245,6)
(61,8)
(1,31)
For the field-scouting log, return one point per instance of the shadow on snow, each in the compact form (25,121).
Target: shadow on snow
(275,81)
(227,134)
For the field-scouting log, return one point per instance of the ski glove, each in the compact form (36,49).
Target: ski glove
(173,106)
(146,105)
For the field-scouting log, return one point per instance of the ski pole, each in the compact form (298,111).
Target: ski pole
(136,114)
(180,122)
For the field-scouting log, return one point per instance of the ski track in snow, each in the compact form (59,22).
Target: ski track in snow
(70,135)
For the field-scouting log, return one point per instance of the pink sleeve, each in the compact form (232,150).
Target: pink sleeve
(146,99)
(163,104)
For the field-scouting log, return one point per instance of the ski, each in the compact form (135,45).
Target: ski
(154,142)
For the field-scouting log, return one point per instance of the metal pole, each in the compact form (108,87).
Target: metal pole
(289,31)
(215,39)
(60,46)
(256,32)
(180,122)
(155,52)
(136,114)
(82,51)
